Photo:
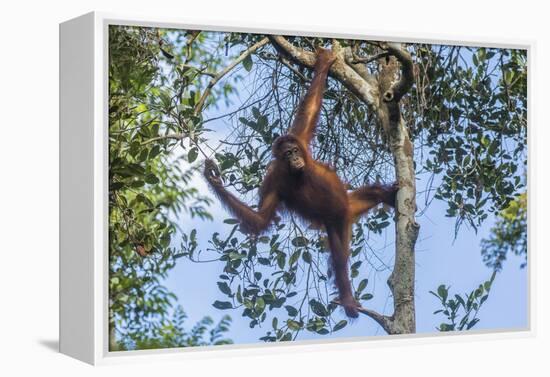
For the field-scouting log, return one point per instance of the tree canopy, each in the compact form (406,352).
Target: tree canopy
(466,116)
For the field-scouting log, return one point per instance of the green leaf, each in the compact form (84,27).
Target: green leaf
(192,155)
(294,257)
(236,256)
(478,292)
(224,287)
(460,300)
(287,337)
(152,179)
(472,323)
(508,77)
(260,304)
(278,302)
(293,325)
(247,63)
(281,258)
(116,186)
(154,152)
(222,305)
(143,155)
(483,299)
(362,285)
(367,296)
(442,291)
(340,325)
(299,241)
(291,310)
(256,112)
(475,60)
(262,122)
(264,261)
(383,224)
(136,184)
(239,295)
(318,308)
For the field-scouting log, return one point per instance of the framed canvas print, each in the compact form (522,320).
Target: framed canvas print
(231,188)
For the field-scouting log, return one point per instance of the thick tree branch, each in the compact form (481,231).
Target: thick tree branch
(225,71)
(384,321)
(360,68)
(340,70)
(297,55)
(401,87)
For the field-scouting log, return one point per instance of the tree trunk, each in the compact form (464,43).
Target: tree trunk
(401,280)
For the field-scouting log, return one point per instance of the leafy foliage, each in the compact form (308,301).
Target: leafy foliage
(470,109)
(172,333)
(508,236)
(461,311)
(147,186)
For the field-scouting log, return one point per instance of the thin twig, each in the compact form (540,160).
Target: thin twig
(164,137)
(225,71)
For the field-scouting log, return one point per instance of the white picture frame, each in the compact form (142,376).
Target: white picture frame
(83,191)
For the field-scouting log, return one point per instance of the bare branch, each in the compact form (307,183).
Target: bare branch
(384,321)
(225,71)
(164,137)
(287,64)
(284,61)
